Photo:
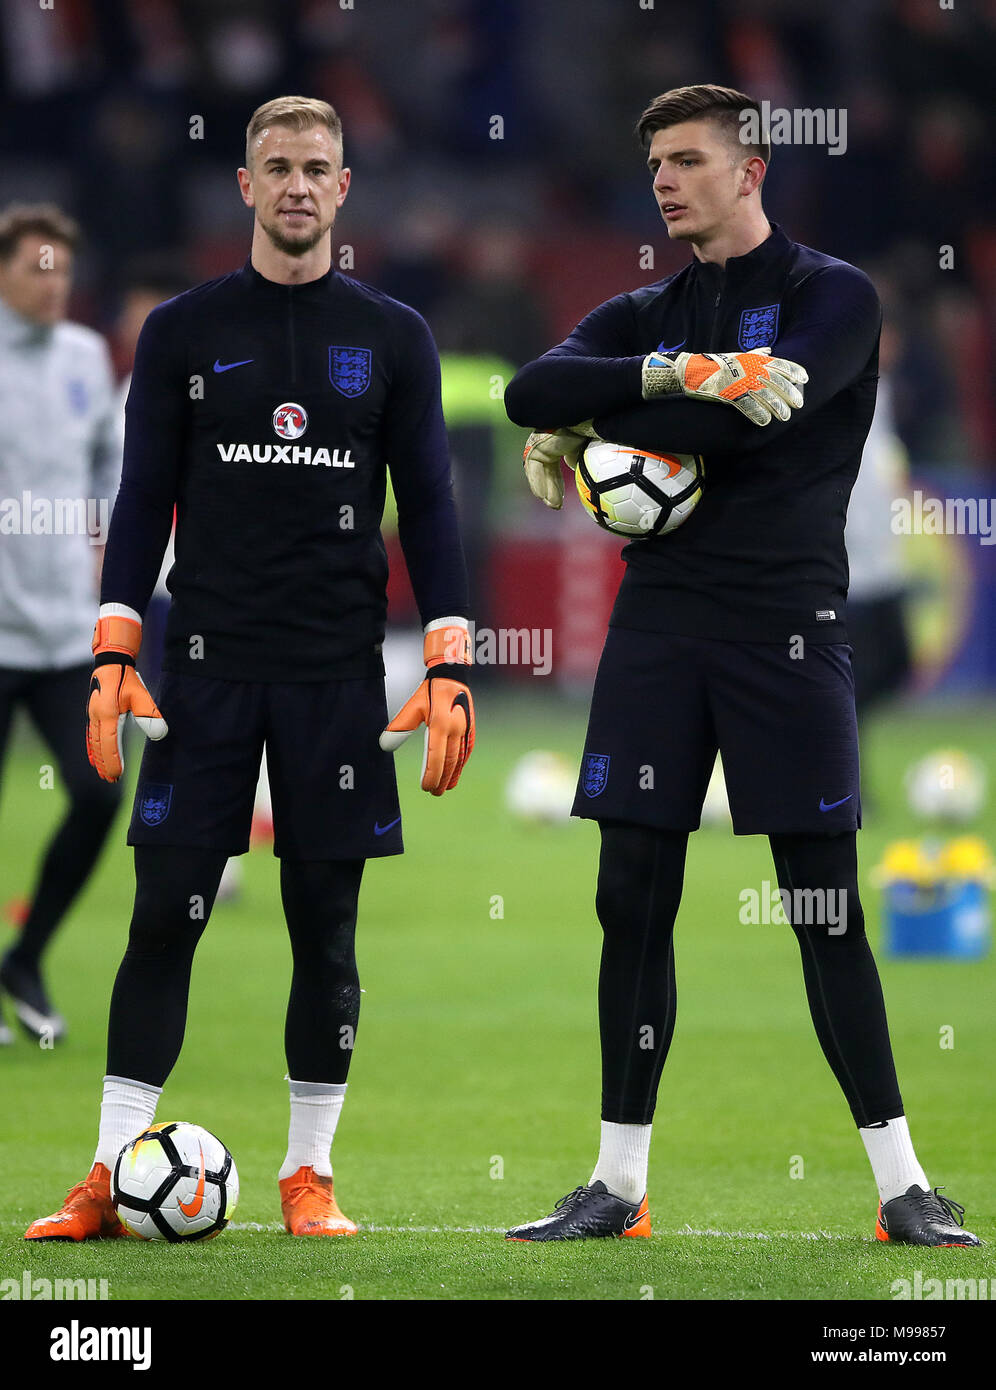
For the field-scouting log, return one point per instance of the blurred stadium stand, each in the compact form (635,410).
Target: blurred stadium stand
(505,243)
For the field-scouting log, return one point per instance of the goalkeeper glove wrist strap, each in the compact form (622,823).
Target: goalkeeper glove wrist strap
(660,376)
(121,636)
(447,642)
(448,671)
(113,659)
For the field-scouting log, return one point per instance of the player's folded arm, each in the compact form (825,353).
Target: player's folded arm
(594,370)
(832,326)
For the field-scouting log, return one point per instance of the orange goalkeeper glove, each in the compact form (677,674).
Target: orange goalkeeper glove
(443,703)
(116,689)
(755,383)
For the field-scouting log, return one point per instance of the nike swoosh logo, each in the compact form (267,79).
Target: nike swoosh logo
(632,1220)
(227,367)
(668,350)
(192,1207)
(825,807)
(462,701)
(383,829)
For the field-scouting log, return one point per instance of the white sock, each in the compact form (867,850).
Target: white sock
(126,1109)
(314,1113)
(890,1152)
(623,1156)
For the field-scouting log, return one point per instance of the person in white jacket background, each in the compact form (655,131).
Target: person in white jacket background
(59,473)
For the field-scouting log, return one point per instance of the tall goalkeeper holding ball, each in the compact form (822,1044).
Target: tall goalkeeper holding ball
(266,406)
(761,356)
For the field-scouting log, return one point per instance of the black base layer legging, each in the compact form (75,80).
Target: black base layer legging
(174,893)
(55,701)
(639,888)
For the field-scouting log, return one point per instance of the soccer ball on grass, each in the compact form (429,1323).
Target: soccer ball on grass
(175,1182)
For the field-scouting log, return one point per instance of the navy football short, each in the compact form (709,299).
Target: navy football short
(333,789)
(663,705)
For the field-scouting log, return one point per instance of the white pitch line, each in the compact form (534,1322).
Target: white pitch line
(500,1230)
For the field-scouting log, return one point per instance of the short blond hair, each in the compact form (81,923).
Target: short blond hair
(298,113)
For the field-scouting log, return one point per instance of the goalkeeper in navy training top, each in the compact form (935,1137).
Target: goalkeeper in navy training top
(727,634)
(267,406)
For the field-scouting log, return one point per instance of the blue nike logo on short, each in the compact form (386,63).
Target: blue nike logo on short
(229,365)
(383,829)
(825,807)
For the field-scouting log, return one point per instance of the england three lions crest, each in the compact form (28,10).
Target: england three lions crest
(154,802)
(758,327)
(349,370)
(595,774)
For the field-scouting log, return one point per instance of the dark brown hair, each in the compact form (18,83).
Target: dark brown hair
(724,105)
(45,220)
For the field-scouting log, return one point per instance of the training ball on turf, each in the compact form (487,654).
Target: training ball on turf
(946,785)
(634,493)
(541,787)
(175,1182)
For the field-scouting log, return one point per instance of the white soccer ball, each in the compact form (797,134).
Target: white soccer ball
(947,785)
(541,787)
(634,493)
(175,1182)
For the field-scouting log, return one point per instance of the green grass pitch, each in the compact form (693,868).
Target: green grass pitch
(473,1099)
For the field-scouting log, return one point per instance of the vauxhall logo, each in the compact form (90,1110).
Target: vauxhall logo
(286,453)
(290,421)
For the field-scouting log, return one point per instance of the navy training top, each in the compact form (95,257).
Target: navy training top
(268,415)
(762,557)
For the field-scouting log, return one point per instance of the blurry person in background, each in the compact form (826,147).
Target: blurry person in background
(876,615)
(59,471)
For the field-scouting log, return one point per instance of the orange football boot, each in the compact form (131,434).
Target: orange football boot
(87,1213)
(308,1203)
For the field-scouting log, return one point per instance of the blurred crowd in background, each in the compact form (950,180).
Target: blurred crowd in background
(504,243)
